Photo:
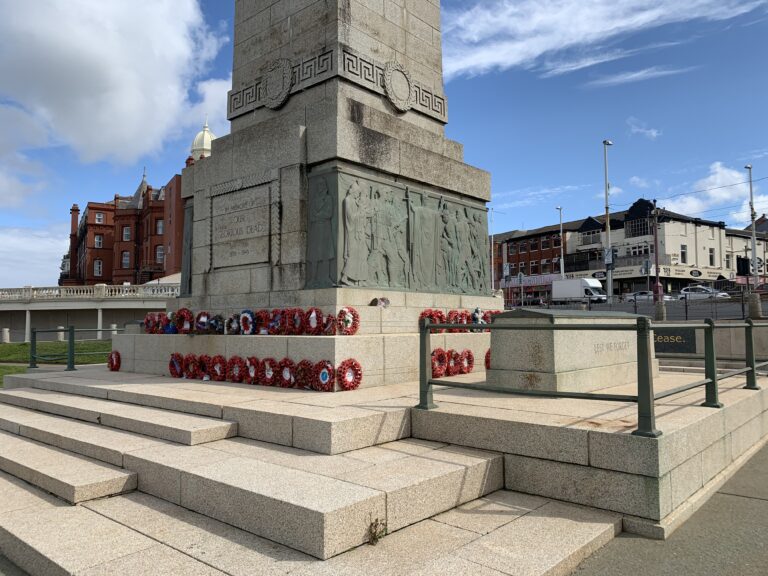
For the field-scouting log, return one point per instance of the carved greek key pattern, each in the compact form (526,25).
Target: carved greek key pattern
(370,74)
(306,73)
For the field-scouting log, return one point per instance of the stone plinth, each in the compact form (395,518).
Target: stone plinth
(563,360)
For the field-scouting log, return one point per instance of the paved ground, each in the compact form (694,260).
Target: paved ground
(728,536)
(8,569)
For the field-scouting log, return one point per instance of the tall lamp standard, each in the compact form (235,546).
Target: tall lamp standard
(562,260)
(755,271)
(608,257)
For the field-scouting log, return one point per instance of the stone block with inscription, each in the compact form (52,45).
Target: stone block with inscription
(563,360)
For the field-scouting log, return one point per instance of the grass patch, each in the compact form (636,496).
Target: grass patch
(7,370)
(19,353)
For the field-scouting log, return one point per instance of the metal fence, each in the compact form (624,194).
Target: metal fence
(645,398)
(71,353)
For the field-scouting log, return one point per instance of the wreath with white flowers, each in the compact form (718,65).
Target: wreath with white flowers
(268,372)
(247,324)
(236,370)
(252,367)
(348,321)
(313,321)
(454,362)
(184,320)
(218,368)
(286,373)
(466,362)
(176,365)
(349,374)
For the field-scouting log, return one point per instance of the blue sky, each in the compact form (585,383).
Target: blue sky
(91,92)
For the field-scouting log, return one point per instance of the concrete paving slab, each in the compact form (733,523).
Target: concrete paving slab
(219,545)
(158,559)
(15,494)
(65,540)
(164,424)
(71,477)
(551,540)
(751,480)
(491,512)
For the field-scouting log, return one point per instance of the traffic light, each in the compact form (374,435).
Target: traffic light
(742,266)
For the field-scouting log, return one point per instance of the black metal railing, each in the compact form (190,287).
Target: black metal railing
(645,398)
(71,353)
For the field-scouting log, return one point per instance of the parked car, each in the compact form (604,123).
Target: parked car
(644,296)
(701,293)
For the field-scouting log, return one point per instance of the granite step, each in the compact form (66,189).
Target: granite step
(322,505)
(70,477)
(93,440)
(154,422)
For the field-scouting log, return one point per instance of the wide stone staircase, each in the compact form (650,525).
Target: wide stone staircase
(320,480)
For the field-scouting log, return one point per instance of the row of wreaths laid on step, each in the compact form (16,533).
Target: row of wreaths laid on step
(278,322)
(321,376)
(459,317)
(453,363)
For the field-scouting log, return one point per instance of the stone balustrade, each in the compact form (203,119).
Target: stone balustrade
(99,291)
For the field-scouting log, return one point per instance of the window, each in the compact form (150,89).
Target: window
(728,262)
(683,254)
(160,254)
(512,248)
(159,227)
(99,220)
(98,241)
(522,266)
(126,233)
(534,245)
(711,256)
(126,260)
(635,228)
(512,265)
(640,250)
(546,268)
(523,247)
(97,268)
(534,267)
(592,237)
(545,243)
(556,241)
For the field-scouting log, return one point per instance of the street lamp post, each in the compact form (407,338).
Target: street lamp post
(562,249)
(753,215)
(608,257)
(658,291)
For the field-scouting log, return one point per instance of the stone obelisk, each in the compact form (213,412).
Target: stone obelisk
(337,174)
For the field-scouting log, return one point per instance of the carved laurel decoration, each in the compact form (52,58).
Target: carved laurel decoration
(278,82)
(398,86)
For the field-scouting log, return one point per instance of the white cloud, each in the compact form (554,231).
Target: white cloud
(637,126)
(631,76)
(213,104)
(110,79)
(720,191)
(531,196)
(561,35)
(32,257)
(639,182)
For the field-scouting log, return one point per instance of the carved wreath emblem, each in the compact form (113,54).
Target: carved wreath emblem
(398,86)
(278,81)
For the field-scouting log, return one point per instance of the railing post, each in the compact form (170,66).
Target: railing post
(71,349)
(749,339)
(426,401)
(710,365)
(646,411)
(33,349)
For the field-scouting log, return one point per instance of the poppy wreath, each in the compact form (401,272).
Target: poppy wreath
(202,322)
(184,320)
(313,322)
(268,371)
(454,363)
(439,362)
(113,361)
(162,323)
(323,377)
(191,367)
(304,371)
(261,322)
(348,321)
(295,324)
(465,317)
(218,368)
(488,359)
(286,373)
(438,317)
(252,368)
(150,323)
(426,313)
(176,365)
(204,361)
(466,362)
(277,322)
(329,325)
(453,318)
(349,374)
(170,327)
(233,324)
(247,323)
(236,370)
(216,325)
